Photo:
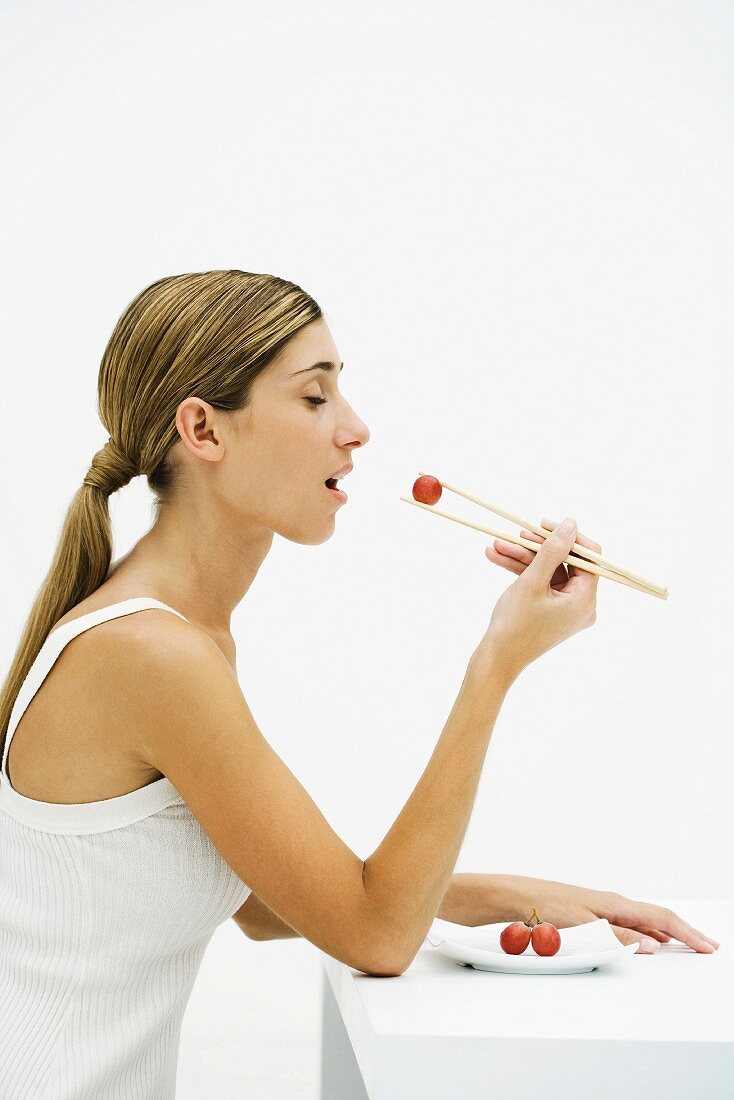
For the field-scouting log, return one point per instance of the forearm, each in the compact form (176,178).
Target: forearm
(469,899)
(473,899)
(258,921)
(408,874)
(274,929)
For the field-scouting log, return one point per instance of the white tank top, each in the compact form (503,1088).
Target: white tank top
(106,909)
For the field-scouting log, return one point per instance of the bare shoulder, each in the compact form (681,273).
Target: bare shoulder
(116,642)
(79,738)
(136,665)
(179,683)
(149,655)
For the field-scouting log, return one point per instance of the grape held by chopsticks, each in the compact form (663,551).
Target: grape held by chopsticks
(427,489)
(545,937)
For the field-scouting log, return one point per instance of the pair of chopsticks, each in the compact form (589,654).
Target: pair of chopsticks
(581,557)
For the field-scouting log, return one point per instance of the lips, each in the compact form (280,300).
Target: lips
(344,471)
(331,482)
(337,492)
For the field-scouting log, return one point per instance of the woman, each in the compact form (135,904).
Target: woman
(141,804)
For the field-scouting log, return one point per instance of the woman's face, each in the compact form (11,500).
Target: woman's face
(297,431)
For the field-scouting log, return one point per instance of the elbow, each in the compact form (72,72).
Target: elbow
(382,970)
(389,953)
(374,965)
(387,965)
(377,962)
(399,966)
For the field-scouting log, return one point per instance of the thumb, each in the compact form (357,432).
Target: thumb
(648,946)
(554,549)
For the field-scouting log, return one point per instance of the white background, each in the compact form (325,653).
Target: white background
(518,221)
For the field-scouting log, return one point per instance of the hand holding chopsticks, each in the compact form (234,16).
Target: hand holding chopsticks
(583,558)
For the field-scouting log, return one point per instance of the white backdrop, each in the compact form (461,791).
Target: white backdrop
(518,221)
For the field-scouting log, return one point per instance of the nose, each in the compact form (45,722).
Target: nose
(359,432)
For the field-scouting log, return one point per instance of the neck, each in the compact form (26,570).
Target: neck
(197,564)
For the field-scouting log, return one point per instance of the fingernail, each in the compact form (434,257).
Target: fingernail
(567,526)
(648,944)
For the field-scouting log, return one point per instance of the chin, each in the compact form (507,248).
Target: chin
(310,536)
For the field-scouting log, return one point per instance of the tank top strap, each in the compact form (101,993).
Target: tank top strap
(54,644)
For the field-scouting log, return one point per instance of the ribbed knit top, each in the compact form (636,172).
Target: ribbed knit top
(106,909)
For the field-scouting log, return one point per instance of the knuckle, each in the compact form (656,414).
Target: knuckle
(623,909)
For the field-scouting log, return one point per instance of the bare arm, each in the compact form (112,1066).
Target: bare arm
(258,921)
(469,899)
(406,877)
(193,723)
(421,892)
(421,848)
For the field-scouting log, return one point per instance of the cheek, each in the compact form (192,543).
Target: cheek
(315,423)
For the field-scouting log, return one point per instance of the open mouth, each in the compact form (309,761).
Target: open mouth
(331,484)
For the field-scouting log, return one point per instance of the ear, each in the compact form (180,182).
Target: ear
(200,428)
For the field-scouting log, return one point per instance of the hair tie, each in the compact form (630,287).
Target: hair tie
(110,468)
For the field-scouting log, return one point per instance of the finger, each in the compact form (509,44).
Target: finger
(668,921)
(552,552)
(531,536)
(655,933)
(583,582)
(520,553)
(560,577)
(655,916)
(505,561)
(582,540)
(589,586)
(648,946)
(589,581)
(518,558)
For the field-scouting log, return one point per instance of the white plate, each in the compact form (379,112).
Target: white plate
(584,947)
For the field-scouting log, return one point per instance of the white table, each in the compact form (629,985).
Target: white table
(650,1027)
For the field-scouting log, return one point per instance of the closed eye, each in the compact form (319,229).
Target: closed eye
(316,400)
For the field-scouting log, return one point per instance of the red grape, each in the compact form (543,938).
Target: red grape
(515,938)
(546,939)
(427,489)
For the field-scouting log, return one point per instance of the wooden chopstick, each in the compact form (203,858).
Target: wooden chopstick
(578,563)
(583,551)
(657,589)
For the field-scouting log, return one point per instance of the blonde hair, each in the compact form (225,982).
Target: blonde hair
(207,334)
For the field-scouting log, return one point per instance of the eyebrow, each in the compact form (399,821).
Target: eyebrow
(325,365)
